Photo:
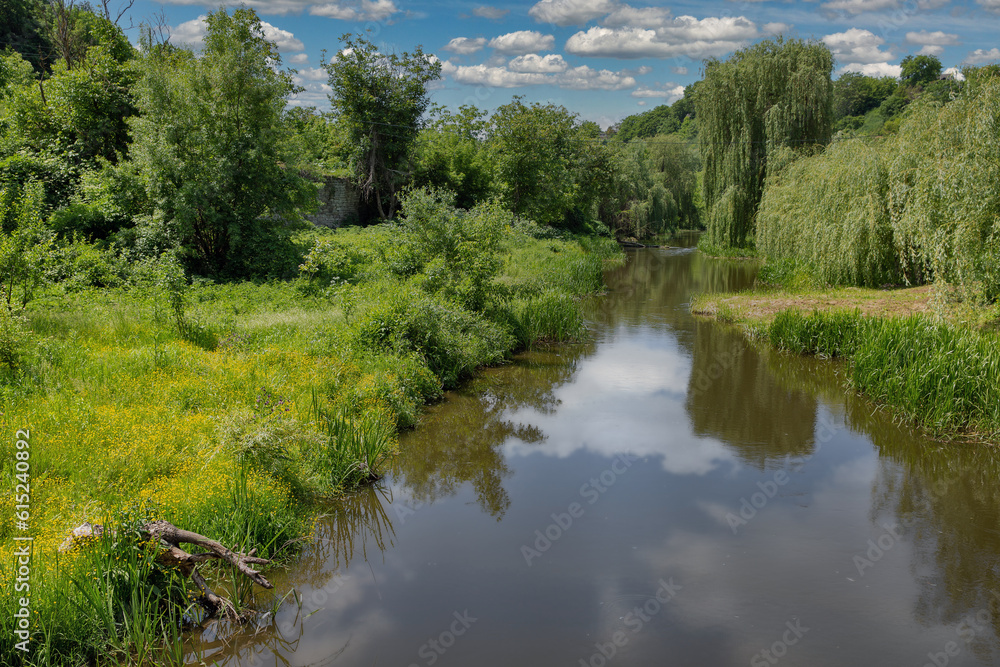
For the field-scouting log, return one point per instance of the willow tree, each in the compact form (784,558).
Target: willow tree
(775,95)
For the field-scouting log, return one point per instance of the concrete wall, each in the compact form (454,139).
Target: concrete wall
(338,201)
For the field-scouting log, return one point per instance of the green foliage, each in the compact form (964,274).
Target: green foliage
(399,317)
(23,28)
(920,205)
(536,150)
(856,94)
(831,212)
(457,252)
(357,448)
(919,70)
(450,154)
(771,95)
(24,245)
(663,119)
(946,378)
(380,99)
(208,141)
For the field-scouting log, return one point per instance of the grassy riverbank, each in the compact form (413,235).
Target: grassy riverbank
(936,363)
(227,409)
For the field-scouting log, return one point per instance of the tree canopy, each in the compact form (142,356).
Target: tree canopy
(773,95)
(380,98)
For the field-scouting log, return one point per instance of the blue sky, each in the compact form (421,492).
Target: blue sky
(603,59)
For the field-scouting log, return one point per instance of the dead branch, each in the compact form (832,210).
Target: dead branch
(170,537)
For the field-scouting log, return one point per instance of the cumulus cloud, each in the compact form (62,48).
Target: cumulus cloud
(495,77)
(299,59)
(670,93)
(531,71)
(936,38)
(311,74)
(627,16)
(486,12)
(860,6)
(367,10)
(585,78)
(873,69)
(857,46)
(532,62)
(464,45)
(982,57)
(193,34)
(990,5)
(684,35)
(570,12)
(522,41)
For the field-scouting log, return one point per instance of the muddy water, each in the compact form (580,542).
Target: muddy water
(666,494)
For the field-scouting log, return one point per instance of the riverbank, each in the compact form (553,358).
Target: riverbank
(228,409)
(936,364)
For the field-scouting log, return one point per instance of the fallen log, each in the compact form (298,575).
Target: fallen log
(170,537)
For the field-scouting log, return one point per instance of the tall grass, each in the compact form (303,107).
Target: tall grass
(944,377)
(225,409)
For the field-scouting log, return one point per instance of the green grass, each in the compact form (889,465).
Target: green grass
(944,377)
(227,408)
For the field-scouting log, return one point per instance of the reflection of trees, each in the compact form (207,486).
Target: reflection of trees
(733,396)
(656,286)
(461,439)
(946,495)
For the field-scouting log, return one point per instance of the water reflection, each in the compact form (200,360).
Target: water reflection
(715,422)
(734,396)
(461,441)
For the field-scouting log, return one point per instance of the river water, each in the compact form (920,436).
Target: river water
(666,494)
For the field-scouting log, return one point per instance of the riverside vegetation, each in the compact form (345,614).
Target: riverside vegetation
(181,345)
(918,205)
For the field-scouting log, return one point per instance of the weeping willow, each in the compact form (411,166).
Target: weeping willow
(772,95)
(919,206)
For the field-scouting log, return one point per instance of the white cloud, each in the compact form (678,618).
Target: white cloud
(464,45)
(627,16)
(982,57)
(860,6)
(523,41)
(857,46)
(368,10)
(585,78)
(679,70)
(954,73)
(641,103)
(531,70)
(495,77)
(486,12)
(312,74)
(936,38)
(532,62)
(684,35)
(990,5)
(299,59)
(671,94)
(570,12)
(192,33)
(873,69)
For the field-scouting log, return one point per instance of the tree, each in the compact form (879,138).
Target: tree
(856,94)
(451,154)
(919,70)
(208,141)
(380,98)
(773,95)
(535,150)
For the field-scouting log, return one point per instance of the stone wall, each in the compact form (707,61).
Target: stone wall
(338,201)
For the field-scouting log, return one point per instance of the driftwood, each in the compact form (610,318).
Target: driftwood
(170,537)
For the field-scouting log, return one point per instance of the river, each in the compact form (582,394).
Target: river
(666,494)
